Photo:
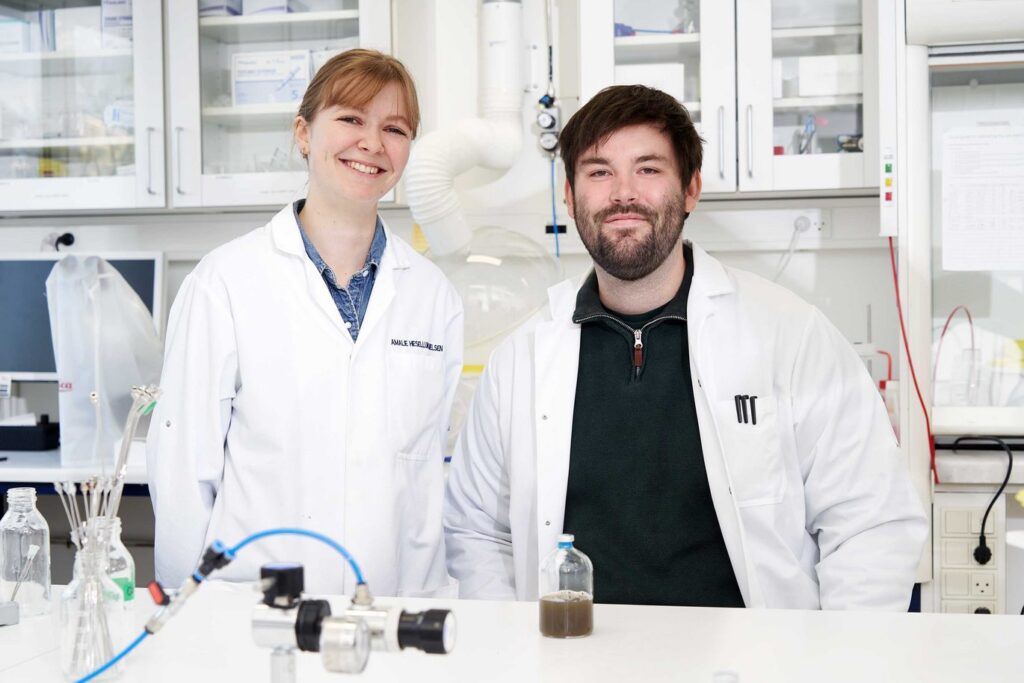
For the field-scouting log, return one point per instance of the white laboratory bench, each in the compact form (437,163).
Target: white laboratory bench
(209,640)
(45,467)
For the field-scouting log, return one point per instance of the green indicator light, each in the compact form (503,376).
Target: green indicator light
(888,168)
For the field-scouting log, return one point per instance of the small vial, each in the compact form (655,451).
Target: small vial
(567,592)
(25,554)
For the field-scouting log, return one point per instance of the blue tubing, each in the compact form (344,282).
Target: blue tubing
(117,658)
(300,532)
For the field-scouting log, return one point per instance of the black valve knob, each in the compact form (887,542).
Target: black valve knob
(432,631)
(283,583)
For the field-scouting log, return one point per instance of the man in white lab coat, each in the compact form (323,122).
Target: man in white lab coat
(708,437)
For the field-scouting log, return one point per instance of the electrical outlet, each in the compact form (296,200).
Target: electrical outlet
(982,585)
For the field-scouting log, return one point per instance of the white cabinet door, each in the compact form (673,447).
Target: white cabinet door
(807,93)
(684,48)
(236,83)
(81,106)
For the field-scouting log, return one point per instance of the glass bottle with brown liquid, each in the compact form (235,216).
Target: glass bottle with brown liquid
(567,592)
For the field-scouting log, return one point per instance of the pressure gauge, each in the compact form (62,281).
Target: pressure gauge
(344,644)
(548,141)
(546,120)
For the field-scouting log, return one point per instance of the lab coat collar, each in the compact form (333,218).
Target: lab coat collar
(709,281)
(285,236)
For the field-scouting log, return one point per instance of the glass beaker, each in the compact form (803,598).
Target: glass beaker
(93,619)
(25,554)
(567,592)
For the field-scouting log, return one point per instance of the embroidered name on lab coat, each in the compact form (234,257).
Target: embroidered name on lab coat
(418,344)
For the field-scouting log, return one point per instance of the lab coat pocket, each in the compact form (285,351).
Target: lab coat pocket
(415,395)
(752,452)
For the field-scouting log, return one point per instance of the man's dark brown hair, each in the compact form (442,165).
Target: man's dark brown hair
(619,106)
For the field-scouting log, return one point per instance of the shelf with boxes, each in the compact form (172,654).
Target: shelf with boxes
(672,47)
(64,143)
(239,69)
(76,129)
(264,28)
(81,62)
(784,92)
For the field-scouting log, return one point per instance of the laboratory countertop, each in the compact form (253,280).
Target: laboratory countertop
(209,640)
(44,467)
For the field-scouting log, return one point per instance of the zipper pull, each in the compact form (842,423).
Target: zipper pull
(638,352)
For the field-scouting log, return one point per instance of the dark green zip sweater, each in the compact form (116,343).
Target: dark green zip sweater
(638,499)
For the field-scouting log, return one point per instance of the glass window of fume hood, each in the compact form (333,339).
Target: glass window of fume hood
(977,314)
(67,99)
(254,69)
(817,77)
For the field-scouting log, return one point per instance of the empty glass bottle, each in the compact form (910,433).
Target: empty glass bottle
(93,620)
(25,554)
(567,592)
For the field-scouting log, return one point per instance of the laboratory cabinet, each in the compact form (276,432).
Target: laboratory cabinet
(81,105)
(237,74)
(82,114)
(784,92)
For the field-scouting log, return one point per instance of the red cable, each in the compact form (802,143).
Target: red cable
(949,319)
(910,361)
(888,360)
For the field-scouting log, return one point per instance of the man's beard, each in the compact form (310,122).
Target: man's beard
(626,258)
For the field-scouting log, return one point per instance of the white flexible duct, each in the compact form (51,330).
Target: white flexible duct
(493,141)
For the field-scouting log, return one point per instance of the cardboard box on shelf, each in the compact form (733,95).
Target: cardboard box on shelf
(825,75)
(271,6)
(213,8)
(77,29)
(116,23)
(269,77)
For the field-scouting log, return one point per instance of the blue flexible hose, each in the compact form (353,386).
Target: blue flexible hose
(231,554)
(554,213)
(117,658)
(300,532)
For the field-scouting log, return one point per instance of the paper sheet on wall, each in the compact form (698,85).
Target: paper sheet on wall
(983,198)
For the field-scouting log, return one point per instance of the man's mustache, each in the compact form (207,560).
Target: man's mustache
(604,214)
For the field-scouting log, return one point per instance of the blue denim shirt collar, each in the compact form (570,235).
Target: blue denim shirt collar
(373,257)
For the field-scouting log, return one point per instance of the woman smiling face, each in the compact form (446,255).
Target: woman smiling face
(357,153)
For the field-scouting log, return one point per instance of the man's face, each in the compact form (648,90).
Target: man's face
(629,201)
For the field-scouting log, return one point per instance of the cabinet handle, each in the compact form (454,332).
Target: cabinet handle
(149,159)
(750,140)
(177,156)
(721,143)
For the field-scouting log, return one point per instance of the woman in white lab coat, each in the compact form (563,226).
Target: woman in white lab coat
(310,367)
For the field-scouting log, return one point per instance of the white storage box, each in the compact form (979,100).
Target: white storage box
(14,35)
(269,77)
(830,75)
(271,6)
(213,8)
(320,57)
(77,29)
(668,78)
(116,24)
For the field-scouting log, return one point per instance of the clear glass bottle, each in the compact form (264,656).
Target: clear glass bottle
(567,592)
(25,554)
(122,566)
(93,620)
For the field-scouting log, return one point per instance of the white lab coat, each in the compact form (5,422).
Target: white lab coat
(272,417)
(814,502)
